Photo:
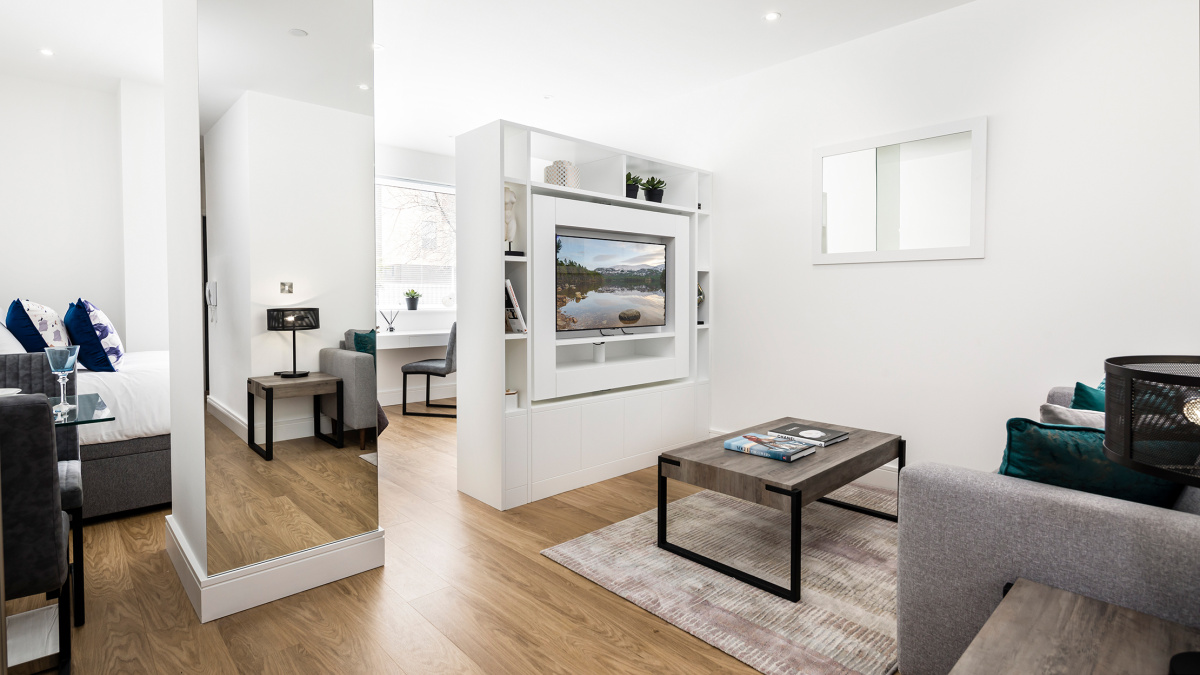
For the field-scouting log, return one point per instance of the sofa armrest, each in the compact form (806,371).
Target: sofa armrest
(1061,396)
(965,534)
(360,397)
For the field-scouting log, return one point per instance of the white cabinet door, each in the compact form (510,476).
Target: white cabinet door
(603,432)
(556,442)
(516,451)
(703,410)
(643,423)
(678,416)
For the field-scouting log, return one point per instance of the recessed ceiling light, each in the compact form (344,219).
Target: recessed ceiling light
(298,32)
(376,46)
(772,16)
(364,87)
(46,52)
(547,97)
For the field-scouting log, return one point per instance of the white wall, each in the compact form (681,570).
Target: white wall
(143,204)
(1092,212)
(60,196)
(395,162)
(289,198)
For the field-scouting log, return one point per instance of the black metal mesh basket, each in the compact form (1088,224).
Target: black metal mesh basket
(1152,415)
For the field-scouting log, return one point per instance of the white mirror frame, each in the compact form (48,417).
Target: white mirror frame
(978,128)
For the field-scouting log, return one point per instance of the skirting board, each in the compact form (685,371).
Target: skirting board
(285,430)
(416,394)
(253,585)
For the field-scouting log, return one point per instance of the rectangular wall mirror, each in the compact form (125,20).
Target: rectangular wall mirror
(915,195)
(286,106)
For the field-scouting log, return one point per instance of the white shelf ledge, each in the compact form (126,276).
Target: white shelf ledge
(515,181)
(628,359)
(612,338)
(516,336)
(604,198)
(516,258)
(703,326)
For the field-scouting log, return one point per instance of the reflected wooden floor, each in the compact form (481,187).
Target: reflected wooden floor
(310,494)
(465,590)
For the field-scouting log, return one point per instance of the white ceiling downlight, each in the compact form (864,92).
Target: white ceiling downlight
(46,52)
(772,16)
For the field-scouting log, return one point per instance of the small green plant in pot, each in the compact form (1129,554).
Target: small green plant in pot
(632,183)
(653,187)
(411,296)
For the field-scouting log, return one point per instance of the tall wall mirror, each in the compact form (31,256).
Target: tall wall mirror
(916,195)
(286,105)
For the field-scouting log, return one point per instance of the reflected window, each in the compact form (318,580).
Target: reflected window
(414,242)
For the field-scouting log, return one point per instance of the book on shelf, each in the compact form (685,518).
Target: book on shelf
(809,434)
(512,310)
(764,445)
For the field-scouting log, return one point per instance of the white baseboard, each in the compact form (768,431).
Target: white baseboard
(417,394)
(285,430)
(230,592)
(884,477)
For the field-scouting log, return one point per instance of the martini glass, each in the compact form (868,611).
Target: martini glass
(62,363)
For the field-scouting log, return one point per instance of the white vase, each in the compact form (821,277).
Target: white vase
(562,172)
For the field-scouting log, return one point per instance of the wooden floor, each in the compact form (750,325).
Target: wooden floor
(309,494)
(464,590)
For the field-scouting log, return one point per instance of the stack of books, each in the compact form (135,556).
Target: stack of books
(810,435)
(765,445)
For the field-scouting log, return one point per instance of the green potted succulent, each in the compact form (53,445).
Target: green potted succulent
(632,183)
(411,296)
(653,187)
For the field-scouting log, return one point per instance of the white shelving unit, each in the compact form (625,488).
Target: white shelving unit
(603,419)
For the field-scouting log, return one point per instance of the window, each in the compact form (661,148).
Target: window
(414,242)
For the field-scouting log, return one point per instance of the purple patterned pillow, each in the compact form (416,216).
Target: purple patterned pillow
(106,332)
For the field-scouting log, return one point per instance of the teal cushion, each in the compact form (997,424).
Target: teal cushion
(1087,398)
(1073,457)
(365,343)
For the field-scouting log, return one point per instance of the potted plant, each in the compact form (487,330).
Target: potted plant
(411,296)
(653,187)
(632,183)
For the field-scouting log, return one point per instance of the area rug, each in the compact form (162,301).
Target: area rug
(370,457)
(845,622)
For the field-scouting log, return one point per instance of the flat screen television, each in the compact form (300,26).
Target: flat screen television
(607,283)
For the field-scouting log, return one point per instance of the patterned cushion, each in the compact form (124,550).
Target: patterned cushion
(35,326)
(99,345)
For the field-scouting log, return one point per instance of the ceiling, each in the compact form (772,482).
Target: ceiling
(95,43)
(448,66)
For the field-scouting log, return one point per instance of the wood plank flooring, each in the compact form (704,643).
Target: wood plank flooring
(464,590)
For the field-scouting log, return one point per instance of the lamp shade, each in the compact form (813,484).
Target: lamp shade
(293,318)
(1152,415)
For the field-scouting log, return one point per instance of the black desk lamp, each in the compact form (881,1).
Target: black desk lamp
(293,319)
(1152,425)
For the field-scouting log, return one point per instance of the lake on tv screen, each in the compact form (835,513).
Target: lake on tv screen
(609,284)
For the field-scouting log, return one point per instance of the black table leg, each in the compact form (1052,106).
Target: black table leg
(336,425)
(269,452)
(874,512)
(792,594)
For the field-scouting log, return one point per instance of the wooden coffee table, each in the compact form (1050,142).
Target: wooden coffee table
(779,485)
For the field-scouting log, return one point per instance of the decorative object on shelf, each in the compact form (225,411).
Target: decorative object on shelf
(653,187)
(562,172)
(510,220)
(699,295)
(512,310)
(448,300)
(411,296)
(632,183)
(389,319)
(62,363)
(293,319)
(1152,425)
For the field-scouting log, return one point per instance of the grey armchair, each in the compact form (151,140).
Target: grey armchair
(431,368)
(360,398)
(35,527)
(31,373)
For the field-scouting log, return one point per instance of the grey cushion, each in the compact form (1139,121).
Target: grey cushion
(1061,396)
(427,367)
(1057,414)
(1189,501)
(70,482)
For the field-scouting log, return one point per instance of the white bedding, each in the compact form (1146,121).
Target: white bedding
(139,394)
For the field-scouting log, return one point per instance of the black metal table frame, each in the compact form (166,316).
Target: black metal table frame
(793,593)
(268,453)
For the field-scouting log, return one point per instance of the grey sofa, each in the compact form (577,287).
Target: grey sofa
(360,397)
(965,534)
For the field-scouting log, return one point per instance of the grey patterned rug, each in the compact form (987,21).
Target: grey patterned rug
(845,622)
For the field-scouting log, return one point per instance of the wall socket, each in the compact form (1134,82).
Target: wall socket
(285,287)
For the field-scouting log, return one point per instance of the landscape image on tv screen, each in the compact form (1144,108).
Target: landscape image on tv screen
(603,283)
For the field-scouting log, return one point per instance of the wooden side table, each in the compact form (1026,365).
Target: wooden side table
(1040,629)
(271,387)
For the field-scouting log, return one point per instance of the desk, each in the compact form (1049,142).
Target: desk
(405,339)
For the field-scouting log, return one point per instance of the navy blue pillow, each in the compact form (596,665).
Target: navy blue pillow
(91,353)
(22,328)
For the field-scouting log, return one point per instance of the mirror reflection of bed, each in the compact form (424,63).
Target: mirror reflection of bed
(286,118)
